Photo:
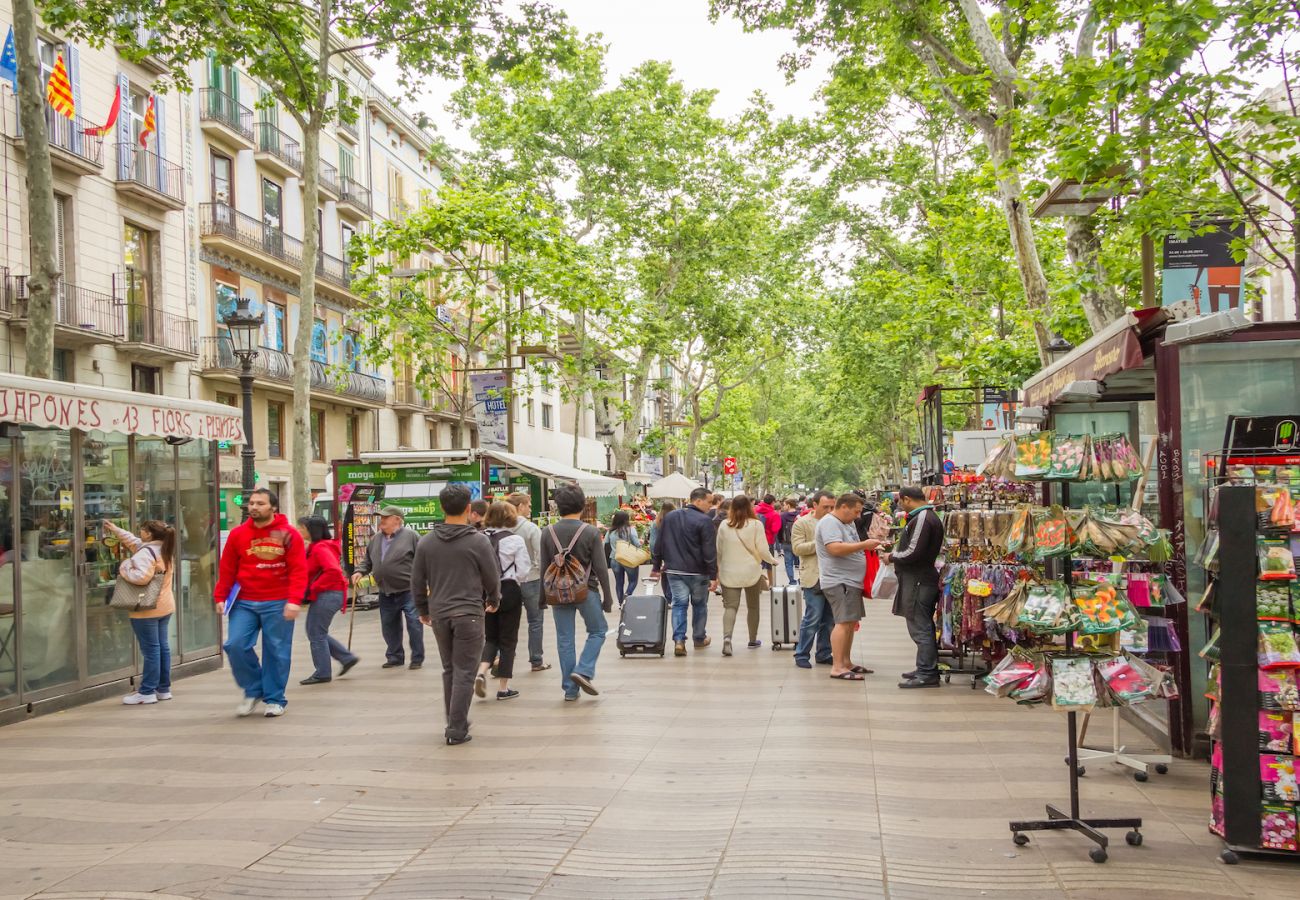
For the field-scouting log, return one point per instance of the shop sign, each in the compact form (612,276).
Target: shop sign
(1118,353)
(361,473)
(491,411)
(49,409)
(1202,269)
(422,513)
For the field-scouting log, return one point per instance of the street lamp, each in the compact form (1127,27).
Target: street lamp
(606,434)
(245,326)
(1057,347)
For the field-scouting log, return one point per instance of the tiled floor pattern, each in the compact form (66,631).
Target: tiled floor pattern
(703,777)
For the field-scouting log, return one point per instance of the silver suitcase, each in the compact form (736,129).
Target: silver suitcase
(787,612)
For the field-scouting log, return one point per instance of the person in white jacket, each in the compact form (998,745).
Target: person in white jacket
(742,551)
(501,628)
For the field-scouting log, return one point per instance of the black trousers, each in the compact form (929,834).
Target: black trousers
(460,642)
(916,602)
(501,630)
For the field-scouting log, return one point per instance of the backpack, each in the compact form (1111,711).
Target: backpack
(496,538)
(564,583)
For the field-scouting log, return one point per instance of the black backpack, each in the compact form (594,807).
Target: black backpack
(496,538)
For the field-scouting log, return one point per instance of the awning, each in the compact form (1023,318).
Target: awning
(592,485)
(672,487)
(59,404)
(1119,347)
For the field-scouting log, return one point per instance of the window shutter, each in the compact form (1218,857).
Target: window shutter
(73,58)
(160,115)
(125,154)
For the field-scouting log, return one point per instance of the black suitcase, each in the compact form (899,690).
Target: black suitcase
(643,626)
(787,611)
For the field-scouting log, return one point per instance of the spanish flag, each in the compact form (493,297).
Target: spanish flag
(58,90)
(150,123)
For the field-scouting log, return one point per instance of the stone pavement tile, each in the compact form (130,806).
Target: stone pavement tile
(1132,872)
(107,895)
(30,879)
(15,854)
(959,891)
(614,841)
(186,879)
(990,875)
(796,884)
(615,885)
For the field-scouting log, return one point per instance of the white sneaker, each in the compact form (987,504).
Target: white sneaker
(137,698)
(246,706)
(164,695)
(273,710)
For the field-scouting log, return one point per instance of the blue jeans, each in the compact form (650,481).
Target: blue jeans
(532,592)
(692,590)
(155,654)
(624,576)
(565,625)
(817,623)
(787,551)
(320,612)
(267,679)
(393,608)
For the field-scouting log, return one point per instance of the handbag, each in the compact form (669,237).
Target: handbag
(886,584)
(629,555)
(137,597)
(764,583)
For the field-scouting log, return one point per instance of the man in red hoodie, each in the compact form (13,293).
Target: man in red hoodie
(264,558)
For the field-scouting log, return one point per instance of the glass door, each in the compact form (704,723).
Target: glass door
(8,570)
(110,644)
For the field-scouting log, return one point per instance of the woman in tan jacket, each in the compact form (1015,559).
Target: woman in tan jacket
(151,555)
(742,550)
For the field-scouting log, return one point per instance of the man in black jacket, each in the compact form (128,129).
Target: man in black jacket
(686,551)
(918,583)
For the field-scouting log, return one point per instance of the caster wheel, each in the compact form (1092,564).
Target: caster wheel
(1162,769)
(947,679)
(1020,839)
(622,656)
(974,684)
(776,647)
(1229,857)
(1134,838)
(1082,771)
(1097,854)
(1140,776)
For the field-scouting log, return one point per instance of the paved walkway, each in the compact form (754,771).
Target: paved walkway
(703,777)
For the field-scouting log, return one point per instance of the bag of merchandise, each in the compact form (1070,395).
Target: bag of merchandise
(1053,535)
(1033,454)
(1007,610)
(1136,639)
(1101,536)
(1275,561)
(1116,459)
(1277,773)
(1045,607)
(1277,827)
(1277,646)
(1276,731)
(1073,687)
(1034,689)
(1279,689)
(1009,672)
(1020,536)
(885,585)
(1102,608)
(1000,464)
(1066,461)
(1273,602)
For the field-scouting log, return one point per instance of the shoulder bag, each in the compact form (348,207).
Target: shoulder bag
(137,597)
(629,555)
(764,583)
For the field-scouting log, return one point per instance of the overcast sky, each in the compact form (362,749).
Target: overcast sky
(706,55)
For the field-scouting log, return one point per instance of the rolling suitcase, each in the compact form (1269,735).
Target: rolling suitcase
(643,626)
(787,612)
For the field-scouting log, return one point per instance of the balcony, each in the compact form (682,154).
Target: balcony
(329,180)
(350,128)
(223,225)
(158,334)
(147,177)
(333,271)
(225,119)
(407,397)
(82,317)
(354,199)
(71,150)
(277,151)
(217,358)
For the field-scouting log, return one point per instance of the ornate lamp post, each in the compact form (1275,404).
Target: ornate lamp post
(245,327)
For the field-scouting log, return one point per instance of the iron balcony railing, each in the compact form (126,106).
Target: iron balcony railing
(147,325)
(218,106)
(74,307)
(218,353)
(223,220)
(352,191)
(68,135)
(272,140)
(350,128)
(144,167)
(329,178)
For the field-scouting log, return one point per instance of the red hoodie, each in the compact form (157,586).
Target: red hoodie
(268,563)
(771,520)
(324,571)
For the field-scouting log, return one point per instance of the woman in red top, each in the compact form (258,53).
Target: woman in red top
(325,587)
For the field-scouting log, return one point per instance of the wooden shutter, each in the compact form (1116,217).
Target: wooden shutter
(124,148)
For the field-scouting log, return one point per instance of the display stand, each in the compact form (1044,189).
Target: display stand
(1118,753)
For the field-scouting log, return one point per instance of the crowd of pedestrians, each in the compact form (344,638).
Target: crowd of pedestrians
(474,577)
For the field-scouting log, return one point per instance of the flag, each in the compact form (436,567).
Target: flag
(58,90)
(9,61)
(98,131)
(150,123)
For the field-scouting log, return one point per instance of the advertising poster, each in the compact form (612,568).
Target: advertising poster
(1201,269)
(491,411)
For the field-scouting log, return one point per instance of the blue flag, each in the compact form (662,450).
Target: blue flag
(9,61)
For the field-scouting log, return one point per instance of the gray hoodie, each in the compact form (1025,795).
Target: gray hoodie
(455,573)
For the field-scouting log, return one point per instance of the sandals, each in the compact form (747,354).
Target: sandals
(849,676)
(862,670)
(541,667)
(480,686)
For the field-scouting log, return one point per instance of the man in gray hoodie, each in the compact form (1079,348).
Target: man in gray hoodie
(455,579)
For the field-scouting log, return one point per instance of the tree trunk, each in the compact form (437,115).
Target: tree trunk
(693,443)
(627,428)
(42,238)
(1101,302)
(1032,279)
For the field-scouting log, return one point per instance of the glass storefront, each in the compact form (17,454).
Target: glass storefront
(57,487)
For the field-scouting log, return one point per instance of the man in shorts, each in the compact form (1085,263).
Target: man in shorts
(842,567)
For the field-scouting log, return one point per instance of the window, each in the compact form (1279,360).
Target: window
(48,53)
(518,410)
(146,379)
(318,435)
(352,436)
(347,162)
(455,437)
(532,412)
(272,208)
(319,342)
(275,429)
(352,350)
(227,298)
(64,365)
(346,234)
(136,107)
(548,416)
(228,400)
(396,195)
(62,222)
(433,437)
(223,179)
(137,260)
(275,326)
(403,432)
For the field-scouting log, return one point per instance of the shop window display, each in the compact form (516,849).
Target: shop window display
(110,644)
(196,537)
(8,553)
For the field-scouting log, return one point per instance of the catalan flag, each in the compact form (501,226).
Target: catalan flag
(150,123)
(101,130)
(58,90)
